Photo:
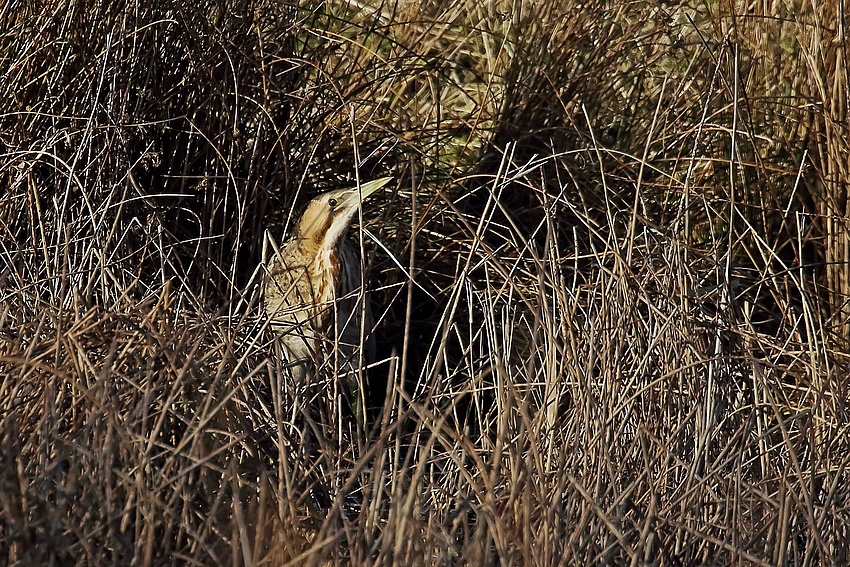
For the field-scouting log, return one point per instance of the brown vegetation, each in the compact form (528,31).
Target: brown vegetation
(611,282)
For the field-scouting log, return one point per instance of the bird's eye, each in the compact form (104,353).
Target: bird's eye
(332,203)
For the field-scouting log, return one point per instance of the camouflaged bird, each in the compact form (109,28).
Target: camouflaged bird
(313,290)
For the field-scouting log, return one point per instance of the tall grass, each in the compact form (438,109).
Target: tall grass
(610,282)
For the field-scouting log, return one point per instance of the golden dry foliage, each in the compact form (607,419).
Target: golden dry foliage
(610,284)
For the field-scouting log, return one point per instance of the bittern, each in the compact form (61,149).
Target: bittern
(313,292)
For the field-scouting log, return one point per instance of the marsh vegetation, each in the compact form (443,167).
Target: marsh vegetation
(610,280)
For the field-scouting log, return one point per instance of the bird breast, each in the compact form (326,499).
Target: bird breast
(311,298)
(303,285)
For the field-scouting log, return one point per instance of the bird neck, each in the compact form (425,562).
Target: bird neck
(319,246)
(325,234)
(324,256)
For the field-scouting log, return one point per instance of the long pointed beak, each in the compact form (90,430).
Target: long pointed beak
(370,187)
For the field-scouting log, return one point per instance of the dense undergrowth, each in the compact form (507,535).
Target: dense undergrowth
(611,281)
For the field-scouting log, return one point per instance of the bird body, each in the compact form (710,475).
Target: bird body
(312,291)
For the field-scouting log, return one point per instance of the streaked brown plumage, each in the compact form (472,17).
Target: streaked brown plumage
(312,289)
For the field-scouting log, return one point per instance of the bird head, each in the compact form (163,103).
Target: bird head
(327,217)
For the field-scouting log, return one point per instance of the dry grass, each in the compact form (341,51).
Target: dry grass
(611,278)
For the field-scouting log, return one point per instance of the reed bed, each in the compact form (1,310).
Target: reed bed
(610,281)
